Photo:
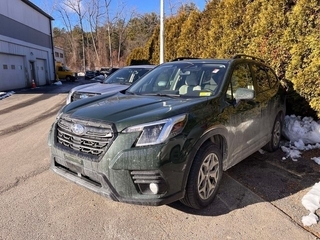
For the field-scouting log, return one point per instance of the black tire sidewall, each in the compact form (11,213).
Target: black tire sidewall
(270,147)
(192,188)
(278,119)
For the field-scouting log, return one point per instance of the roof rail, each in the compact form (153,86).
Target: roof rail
(182,58)
(248,56)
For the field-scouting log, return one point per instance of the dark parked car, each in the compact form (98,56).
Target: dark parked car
(171,134)
(89,75)
(116,82)
(108,71)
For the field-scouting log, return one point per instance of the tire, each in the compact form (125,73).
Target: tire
(68,78)
(204,177)
(274,142)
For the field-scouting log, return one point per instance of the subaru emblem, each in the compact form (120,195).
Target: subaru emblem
(78,129)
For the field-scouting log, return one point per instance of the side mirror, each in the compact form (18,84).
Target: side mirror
(244,94)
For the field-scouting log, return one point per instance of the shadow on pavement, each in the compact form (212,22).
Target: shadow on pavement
(260,178)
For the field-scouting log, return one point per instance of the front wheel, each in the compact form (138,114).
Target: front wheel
(204,178)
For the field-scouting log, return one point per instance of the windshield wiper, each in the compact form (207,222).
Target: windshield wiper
(162,94)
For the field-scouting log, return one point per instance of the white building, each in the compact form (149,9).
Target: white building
(59,55)
(26,45)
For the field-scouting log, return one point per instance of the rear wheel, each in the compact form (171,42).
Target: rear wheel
(204,178)
(274,142)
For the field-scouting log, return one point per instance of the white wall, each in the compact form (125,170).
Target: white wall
(19,45)
(21,12)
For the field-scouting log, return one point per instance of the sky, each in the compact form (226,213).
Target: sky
(139,6)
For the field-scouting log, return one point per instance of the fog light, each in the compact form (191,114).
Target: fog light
(154,188)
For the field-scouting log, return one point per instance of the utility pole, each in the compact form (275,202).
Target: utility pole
(161,31)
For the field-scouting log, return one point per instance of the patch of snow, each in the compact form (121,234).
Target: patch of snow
(303,134)
(291,152)
(6,94)
(316,159)
(58,83)
(310,219)
(311,202)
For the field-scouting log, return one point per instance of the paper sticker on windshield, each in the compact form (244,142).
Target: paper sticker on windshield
(215,70)
(205,94)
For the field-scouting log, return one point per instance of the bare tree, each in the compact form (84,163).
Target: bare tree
(94,16)
(121,28)
(77,7)
(109,22)
(69,27)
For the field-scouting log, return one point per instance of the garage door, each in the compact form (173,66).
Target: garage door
(41,72)
(11,72)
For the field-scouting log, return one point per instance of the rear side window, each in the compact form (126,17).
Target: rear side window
(272,77)
(261,77)
(265,77)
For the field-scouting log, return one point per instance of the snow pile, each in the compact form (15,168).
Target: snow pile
(311,201)
(305,130)
(58,83)
(316,159)
(6,94)
(303,134)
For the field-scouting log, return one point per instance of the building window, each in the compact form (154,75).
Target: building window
(5,66)
(61,55)
(56,54)
(13,67)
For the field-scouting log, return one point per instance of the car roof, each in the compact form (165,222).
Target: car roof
(201,60)
(236,57)
(141,66)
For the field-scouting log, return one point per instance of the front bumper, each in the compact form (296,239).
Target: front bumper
(124,173)
(100,184)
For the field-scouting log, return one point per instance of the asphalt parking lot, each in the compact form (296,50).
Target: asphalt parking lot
(261,178)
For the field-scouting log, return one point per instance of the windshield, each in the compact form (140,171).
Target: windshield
(126,75)
(182,78)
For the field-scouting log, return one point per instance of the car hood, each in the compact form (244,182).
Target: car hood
(128,110)
(101,88)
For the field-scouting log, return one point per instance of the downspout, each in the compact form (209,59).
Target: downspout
(52,47)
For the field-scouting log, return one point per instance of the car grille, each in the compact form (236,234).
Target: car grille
(80,95)
(92,141)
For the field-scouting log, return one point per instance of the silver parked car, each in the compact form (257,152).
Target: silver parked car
(116,82)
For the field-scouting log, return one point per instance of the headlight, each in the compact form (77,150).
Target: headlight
(157,132)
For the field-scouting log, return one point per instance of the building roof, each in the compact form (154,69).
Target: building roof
(35,7)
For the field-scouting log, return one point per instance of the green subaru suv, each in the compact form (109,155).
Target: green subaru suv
(171,135)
